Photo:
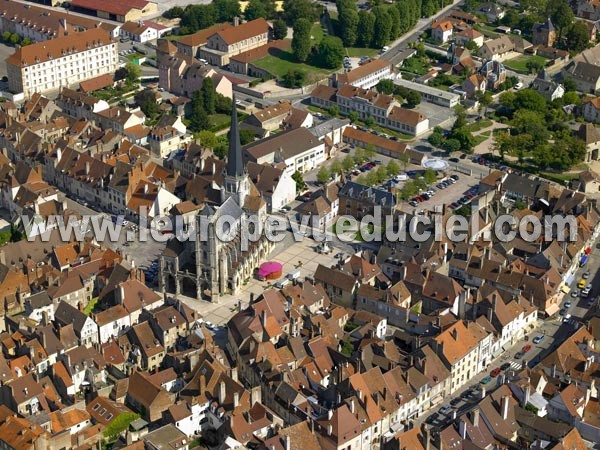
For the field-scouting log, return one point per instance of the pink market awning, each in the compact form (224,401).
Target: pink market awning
(270,268)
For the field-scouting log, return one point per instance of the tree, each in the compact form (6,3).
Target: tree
(255,9)
(323,175)
(353,116)
(133,72)
(484,99)
(569,85)
(174,13)
(395,18)
(385,87)
(209,95)
(334,110)
(331,52)
(578,37)
(369,122)
(119,424)
(529,99)
(365,29)
(299,179)
(381,174)
(436,139)
(534,65)
(301,40)
(206,138)
(359,156)
(279,29)
(293,78)
(150,109)
(404,160)
(452,145)
(15,39)
(246,136)
(413,98)
(347,163)
(429,176)
(198,119)
(6,36)
(383,27)
(392,168)
(348,21)
(465,137)
(226,10)
(300,9)
(370,151)
(26,41)
(561,15)
(336,167)
(461,117)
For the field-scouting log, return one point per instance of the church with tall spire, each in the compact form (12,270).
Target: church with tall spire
(208,267)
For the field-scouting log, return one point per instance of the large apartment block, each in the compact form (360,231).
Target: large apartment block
(49,65)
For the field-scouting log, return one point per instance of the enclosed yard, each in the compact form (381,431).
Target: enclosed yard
(519,64)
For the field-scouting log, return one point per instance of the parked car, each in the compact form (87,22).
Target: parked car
(486,380)
(494,373)
(581,284)
(526,348)
(519,355)
(568,304)
(586,275)
(539,338)
(446,409)
(505,366)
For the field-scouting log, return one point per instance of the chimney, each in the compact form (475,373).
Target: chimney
(359,394)
(87,167)
(427,439)
(236,21)
(526,395)
(403,272)
(505,407)
(462,429)
(263,318)
(234,374)
(222,392)
(482,396)
(454,333)
(352,409)
(329,429)
(236,399)
(287,445)
(475,419)
(329,414)
(553,371)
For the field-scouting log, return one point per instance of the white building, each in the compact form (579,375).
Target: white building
(50,65)
(365,76)
(142,31)
(112,322)
(299,149)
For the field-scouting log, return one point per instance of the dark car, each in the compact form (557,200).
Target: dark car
(505,366)
(494,373)
(519,355)
(454,160)
(455,177)
(486,380)
(463,156)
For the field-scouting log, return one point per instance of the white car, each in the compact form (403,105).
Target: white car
(385,49)
(518,86)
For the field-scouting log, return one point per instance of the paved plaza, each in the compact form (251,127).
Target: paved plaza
(293,255)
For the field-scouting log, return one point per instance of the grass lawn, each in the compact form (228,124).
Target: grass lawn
(134,56)
(486,133)
(417,65)
(357,52)
(90,306)
(316,33)
(478,139)
(479,125)
(281,62)
(559,177)
(519,64)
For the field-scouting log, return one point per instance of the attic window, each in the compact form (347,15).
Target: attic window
(96,407)
(102,411)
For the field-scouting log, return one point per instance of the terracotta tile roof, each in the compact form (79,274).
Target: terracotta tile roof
(199,38)
(58,47)
(102,408)
(259,52)
(110,6)
(97,83)
(457,342)
(244,31)
(595,101)
(61,421)
(110,315)
(363,71)
(444,24)
(470,34)
(407,116)
(378,141)
(19,433)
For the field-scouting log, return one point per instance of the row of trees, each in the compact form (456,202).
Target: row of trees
(377,27)
(198,17)
(206,101)
(413,187)
(14,39)
(329,53)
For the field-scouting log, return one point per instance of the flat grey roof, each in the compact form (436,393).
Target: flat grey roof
(426,89)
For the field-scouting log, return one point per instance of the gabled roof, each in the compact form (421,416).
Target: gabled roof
(244,31)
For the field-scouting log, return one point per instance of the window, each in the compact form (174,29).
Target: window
(102,411)
(96,407)
(109,417)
